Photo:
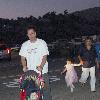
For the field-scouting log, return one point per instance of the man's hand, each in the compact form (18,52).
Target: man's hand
(25,69)
(24,63)
(81,62)
(97,63)
(39,68)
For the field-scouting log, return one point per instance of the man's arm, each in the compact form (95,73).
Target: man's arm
(97,62)
(24,63)
(80,59)
(44,53)
(44,59)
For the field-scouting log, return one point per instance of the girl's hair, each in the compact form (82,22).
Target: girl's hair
(69,59)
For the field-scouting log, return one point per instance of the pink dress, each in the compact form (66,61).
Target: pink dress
(71,75)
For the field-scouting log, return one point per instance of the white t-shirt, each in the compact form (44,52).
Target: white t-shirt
(34,52)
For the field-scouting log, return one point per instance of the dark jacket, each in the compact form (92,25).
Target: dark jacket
(88,56)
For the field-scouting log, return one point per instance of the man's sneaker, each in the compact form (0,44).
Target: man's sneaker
(93,91)
(82,84)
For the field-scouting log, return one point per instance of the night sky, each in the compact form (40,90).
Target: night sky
(24,8)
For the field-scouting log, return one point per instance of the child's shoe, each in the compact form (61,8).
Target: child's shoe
(71,89)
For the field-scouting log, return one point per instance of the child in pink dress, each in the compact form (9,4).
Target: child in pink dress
(71,75)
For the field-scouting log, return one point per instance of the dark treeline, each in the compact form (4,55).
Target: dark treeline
(52,26)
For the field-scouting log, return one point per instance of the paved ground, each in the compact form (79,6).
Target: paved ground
(9,73)
(61,92)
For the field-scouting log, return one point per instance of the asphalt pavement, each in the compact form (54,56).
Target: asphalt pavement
(10,72)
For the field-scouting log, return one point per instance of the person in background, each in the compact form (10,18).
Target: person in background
(88,55)
(97,47)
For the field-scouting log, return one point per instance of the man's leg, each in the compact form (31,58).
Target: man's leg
(46,90)
(84,75)
(93,78)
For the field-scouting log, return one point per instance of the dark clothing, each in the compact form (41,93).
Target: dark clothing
(46,89)
(88,56)
(97,47)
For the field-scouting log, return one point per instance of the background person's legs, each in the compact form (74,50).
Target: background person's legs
(93,78)
(84,75)
(46,90)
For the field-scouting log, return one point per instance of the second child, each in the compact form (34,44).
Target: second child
(71,75)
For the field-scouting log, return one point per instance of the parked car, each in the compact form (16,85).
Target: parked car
(5,52)
(16,47)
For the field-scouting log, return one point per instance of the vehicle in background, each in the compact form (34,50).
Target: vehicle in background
(51,46)
(76,41)
(5,52)
(15,47)
(59,42)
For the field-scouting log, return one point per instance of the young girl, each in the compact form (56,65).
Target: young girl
(71,75)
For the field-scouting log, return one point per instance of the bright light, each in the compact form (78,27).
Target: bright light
(8,51)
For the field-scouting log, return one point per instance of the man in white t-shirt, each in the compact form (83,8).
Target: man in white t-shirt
(34,57)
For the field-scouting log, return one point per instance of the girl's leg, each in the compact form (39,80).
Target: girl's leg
(66,80)
(72,87)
